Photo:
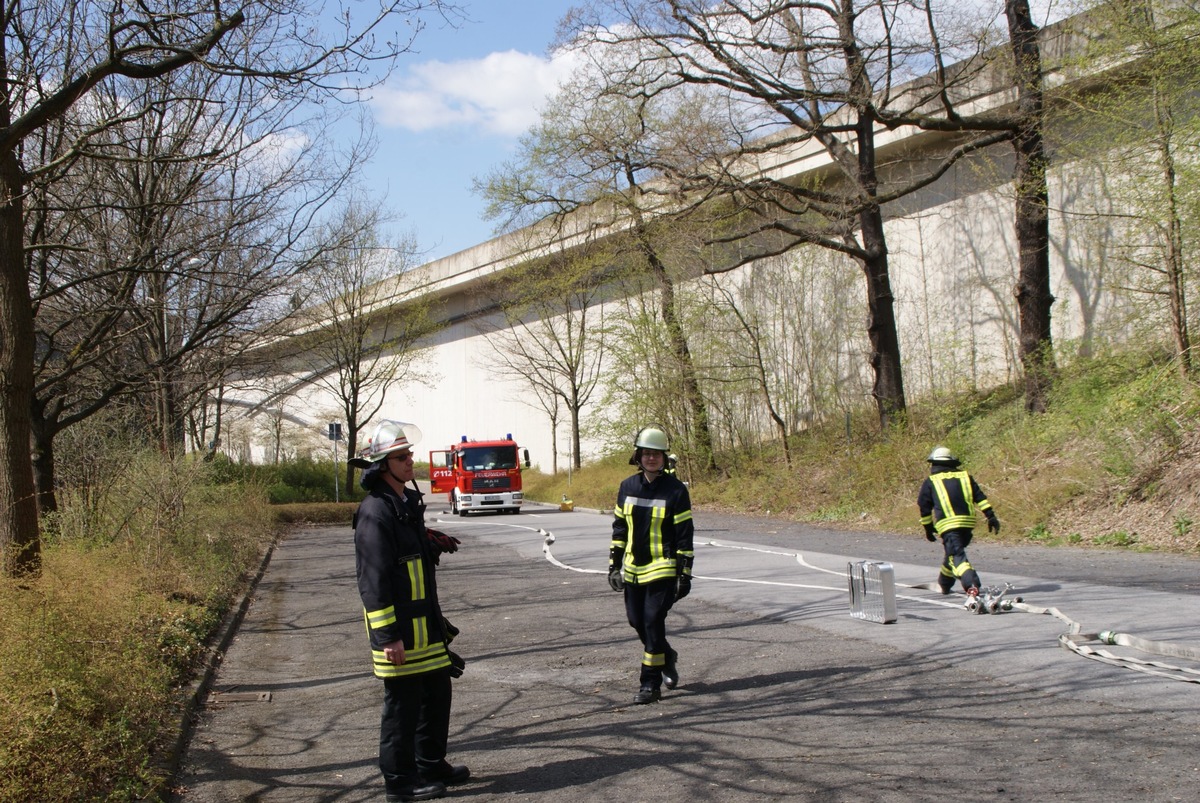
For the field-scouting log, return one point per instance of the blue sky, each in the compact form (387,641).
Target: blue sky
(455,108)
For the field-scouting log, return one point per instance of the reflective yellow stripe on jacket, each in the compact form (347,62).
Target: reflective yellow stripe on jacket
(421,656)
(956,500)
(660,566)
(416,661)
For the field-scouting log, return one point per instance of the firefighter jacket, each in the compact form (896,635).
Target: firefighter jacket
(652,531)
(396,581)
(948,500)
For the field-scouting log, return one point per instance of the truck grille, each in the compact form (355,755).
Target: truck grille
(490,483)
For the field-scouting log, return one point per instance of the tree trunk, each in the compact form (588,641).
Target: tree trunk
(215,442)
(1174,257)
(553,446)
(701,426)
(576,461)
(351,433)
(1032,210)
(20,541)
(44,480)
(888,389)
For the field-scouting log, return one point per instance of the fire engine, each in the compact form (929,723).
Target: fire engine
(479,475)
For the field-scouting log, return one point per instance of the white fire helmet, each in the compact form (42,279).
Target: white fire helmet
(942,455)
(390,436)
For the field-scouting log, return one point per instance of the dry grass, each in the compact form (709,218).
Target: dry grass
(93,652)
(593,486)
(315,513)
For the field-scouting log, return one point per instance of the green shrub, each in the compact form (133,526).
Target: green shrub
(293,481)
(1119,538)
(1039,532)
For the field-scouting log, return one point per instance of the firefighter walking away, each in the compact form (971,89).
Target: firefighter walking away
(947,501)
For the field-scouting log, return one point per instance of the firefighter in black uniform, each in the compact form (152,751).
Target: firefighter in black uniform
(947,502)
(395,556)
(651,556)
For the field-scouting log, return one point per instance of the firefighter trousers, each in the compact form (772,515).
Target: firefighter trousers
(646,606)
(414,728)
(955,565)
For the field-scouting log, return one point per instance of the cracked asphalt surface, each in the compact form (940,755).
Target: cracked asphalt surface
(783,695)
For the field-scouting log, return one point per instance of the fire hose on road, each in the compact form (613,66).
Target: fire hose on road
(1073,640)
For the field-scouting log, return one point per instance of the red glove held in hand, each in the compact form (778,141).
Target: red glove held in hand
(442,542)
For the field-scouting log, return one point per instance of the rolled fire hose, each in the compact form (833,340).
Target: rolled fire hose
(1076,642)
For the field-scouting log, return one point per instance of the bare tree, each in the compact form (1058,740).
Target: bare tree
(583,172)
(754,359)
(169,239)
(1146,118)
(69,49)
(367,318)
(554,338)
(836,76)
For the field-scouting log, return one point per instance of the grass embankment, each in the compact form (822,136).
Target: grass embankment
(1112,463)
(137,574)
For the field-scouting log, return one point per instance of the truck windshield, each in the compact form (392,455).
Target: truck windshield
(483,458)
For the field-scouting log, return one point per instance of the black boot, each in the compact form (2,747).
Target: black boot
(647,694)
(448,774)
(670,672)
(425,791)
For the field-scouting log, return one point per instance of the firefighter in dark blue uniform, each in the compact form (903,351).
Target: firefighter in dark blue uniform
(651,556)
(947,501)
(395,557)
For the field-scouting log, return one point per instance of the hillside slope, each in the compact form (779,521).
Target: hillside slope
(1114,462)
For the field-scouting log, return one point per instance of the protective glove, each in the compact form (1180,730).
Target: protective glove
(442,542)
(616,579)
(930,534)
(684,587)
(450,630)
(993,525)
(457,664)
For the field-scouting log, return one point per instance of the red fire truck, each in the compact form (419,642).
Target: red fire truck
(479,475)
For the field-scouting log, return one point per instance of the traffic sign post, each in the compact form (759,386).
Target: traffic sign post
(335,435)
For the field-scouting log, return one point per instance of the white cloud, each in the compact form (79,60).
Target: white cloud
(501,93)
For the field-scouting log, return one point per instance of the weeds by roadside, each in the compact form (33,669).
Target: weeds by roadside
(316,513)
(93,653)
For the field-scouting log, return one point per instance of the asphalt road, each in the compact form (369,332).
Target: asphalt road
(783,694)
